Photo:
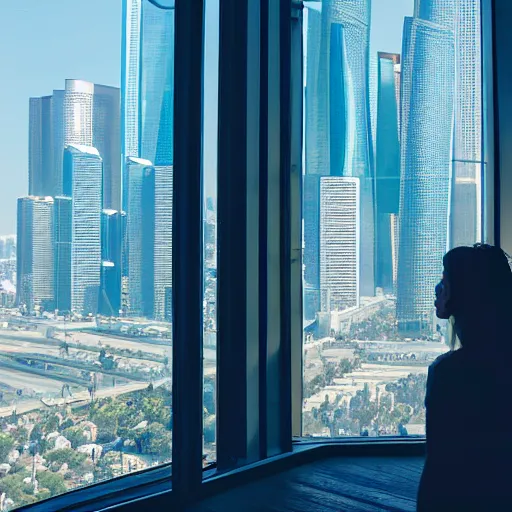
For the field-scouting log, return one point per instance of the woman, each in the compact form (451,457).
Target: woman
(469,392)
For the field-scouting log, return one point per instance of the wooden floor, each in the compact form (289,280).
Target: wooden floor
(338,484)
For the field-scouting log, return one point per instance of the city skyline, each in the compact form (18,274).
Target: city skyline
(408,125)
(100,63)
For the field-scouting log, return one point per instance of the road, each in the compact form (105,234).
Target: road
(83,396)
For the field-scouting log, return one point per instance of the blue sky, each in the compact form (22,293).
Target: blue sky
(44,42)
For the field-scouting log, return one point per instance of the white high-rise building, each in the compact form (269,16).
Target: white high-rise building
(339,242)
(35,253)
(466,187)
(83,180)
(78,112)
(163,240)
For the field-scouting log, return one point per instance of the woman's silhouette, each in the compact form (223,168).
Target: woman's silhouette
(469,406)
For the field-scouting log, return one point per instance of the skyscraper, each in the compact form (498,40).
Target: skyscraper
(147,99)
(139,239)
(40,143)
(106,138)
(35,253)
(162,238)
(130,77)
(387,168)
(78,112)
(111,244)
(428,80)
(338,124)
(465,224)
(156,101)
(63,237)
(84,113)
(83,180)
(45,135)
(339,242)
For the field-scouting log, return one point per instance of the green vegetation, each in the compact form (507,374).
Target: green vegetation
(72,458)
(6,445)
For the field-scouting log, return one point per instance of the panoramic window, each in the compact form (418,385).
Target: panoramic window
(393,177)
(85,256)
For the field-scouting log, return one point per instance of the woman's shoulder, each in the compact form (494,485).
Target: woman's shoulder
(449,362)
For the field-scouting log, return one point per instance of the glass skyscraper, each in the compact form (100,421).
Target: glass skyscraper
(163,239)
(147,98)
(83,181)
(46,144)
(387,168)
(130,69)
(106,139)
(465,219)
(35,253)
(111,244)
(63,237)
(338,125)
(428,83)
(84,113)
(78,112)
(139,239)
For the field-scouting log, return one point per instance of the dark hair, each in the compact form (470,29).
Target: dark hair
(480,280)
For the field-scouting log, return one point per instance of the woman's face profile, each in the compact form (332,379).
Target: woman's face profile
(442,298)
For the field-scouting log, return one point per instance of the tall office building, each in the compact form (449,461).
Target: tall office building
(387,168)
(35,253)
(147,99)
(78,112)
(428,83)
(339,242)
(162,239)
(106,138)
(156,101)
(83,181)
(86,114)
(63,237)
(139,239)
(111,244)
(130,77)
(465,223)
(45,137)
(338,125)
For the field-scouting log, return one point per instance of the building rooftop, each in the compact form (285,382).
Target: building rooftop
(88,150)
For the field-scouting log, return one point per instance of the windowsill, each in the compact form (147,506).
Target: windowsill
(155,483)
(109,493)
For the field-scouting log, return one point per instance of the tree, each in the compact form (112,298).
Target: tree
(362,408)
(6,445)
(410,390)
(157,440)
(50,423)
(54,482)
(74,460)
(75,435)
(112,414)
(16,490)
(154,411)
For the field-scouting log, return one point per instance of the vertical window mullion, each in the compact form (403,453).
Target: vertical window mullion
(187,355)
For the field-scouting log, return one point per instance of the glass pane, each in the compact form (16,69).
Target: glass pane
(85,338)
(392,180)
(210,120)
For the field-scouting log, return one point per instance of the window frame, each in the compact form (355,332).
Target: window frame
(156,485)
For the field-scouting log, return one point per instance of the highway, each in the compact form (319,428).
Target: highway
(26,406)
